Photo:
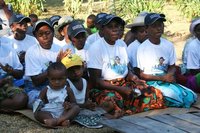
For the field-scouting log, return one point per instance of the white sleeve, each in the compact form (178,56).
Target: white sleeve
(95,58)
(192,60)
(32,64)
(130,54)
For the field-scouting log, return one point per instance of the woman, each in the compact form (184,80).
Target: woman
(117,90)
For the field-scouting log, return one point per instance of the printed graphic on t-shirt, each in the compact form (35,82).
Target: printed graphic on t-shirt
(161,66)
(116,65)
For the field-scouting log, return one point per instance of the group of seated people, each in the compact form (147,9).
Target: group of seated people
(57,76)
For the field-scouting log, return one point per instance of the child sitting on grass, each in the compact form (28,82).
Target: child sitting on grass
(57,99)
(74,65)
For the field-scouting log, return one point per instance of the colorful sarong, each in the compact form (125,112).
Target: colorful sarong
(175,94)
(150,98)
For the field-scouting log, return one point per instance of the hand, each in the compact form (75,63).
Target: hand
(90,105)
(169,77)
(67,105)
(126,91)
(140,84)
(7,68)
(22,56)
(62,54)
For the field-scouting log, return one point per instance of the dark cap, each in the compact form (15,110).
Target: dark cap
(99,17)
(17,18)
(109,17)
(40,23)
(54,19)
(75,28)
(153,17)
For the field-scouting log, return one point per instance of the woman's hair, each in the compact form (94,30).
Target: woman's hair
(56,66)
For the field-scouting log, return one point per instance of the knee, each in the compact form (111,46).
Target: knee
(20,101)
(76,108)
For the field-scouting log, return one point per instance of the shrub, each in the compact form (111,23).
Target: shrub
(27,7)
(189,8)
(128,9)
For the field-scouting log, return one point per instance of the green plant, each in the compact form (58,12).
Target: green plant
(128,9)
(27,7)
(189,8)
(73,6)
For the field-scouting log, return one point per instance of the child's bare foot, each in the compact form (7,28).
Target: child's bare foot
(51,122)
(65,123)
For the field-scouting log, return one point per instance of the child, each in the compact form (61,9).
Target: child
(74,65)
(22,41)
(58,100)
(91,24)
(11,97)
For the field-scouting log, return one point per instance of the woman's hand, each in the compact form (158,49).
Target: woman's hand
(140,84)
(62,54)
(169,77)
(7,68)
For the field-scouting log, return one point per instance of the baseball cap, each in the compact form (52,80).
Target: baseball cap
(138,21)
(99,17)
(193,24)
(72,60)
(75,28)
(109,17)
(54,19)
(153,17)
(17,18)
(65,20)
(40,23)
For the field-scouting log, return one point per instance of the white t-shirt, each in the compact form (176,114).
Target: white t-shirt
(155,59)
(193,55)
(8,55)
(79,95)
(111,59)
(23,45)
(91,39)
(132,52)
(37,59)
(185,50)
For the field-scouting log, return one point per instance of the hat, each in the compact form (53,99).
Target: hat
(72,60)
(193,24)
(153,17)
(17,18)
(107,18)
(99,17)
(138,21)
(54,19)
(40,23)
(75,28)
(65,20)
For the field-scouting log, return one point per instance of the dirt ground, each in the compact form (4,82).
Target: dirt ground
(176,30)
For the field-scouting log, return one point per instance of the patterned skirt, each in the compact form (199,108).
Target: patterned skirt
(150,98)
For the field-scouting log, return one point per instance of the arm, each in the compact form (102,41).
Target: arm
(5,8)
(169,77)
(43,95)
(39,79)
(99,83)
(88,103)
(14,72)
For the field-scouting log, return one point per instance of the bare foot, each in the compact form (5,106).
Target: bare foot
(65,123)
(51,122)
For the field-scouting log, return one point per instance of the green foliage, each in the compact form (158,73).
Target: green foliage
(27,7)
(73,6)
(189,8)
(128,9)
